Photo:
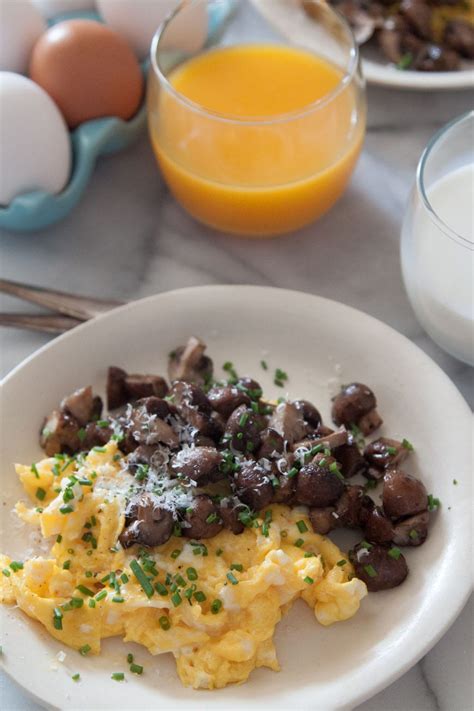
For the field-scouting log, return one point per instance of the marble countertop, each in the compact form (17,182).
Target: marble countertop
(128,238)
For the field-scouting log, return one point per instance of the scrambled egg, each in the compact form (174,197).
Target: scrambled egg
(213,604)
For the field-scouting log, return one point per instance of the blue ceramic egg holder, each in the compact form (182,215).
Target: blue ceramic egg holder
(39,209)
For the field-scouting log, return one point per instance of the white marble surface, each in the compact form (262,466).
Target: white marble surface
(128,238)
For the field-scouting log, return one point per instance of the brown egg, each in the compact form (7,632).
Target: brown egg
(89,70)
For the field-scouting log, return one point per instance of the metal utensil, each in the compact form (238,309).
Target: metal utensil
(74,309)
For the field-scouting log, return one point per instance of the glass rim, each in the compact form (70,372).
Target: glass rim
(420,179)
(346,80)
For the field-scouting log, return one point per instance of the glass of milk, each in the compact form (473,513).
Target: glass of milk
(437,246)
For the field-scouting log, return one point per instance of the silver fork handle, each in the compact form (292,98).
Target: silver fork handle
(78,307)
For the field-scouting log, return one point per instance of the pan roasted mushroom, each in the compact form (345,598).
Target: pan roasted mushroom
(203,456)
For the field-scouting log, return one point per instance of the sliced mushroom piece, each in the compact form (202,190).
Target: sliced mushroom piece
(459,36)
(116,392)
(144,426)
(81,405)
(434,58)
(310,414)
(143,454)
(385,453)
(324,437)
(412,531)
(60,433)
(348,508)
(356,405)
(229,511)
(141,386)
(322,519)
(203,518)
(96,436)
(351,461)
(318,484)
(243,430)
(194,408)
(283,488)
(419,15)
(201,464)
(249,386)
(288,421)
(253,486)
(189,363)
(151,524)
(403,495)
(226,398)
(272,444)
(377,568)
(378,527)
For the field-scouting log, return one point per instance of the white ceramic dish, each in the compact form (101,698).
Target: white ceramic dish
(290,20)
(320,344)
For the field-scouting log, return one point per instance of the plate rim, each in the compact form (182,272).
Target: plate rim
(463,592)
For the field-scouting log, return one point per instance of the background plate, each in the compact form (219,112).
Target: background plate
(288,18)
(321,344)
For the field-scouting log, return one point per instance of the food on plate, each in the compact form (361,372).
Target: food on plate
(191,516)
(422,35)
(89,70)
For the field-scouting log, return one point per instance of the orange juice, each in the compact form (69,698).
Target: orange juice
(263,142)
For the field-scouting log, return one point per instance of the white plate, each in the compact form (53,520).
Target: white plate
(320,344)
(291,21)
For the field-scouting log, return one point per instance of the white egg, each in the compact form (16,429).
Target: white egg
(35,146)
(138,20)
(50,8)
(20,26)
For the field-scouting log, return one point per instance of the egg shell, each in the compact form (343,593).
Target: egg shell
(35,146)
(20,26)
(138,20)
(50,8)
(89,70)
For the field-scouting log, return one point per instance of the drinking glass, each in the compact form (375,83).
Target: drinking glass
(437,245)
(255,176)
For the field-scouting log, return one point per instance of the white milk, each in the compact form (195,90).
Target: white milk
(439,270)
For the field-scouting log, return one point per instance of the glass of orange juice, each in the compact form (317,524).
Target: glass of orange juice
(260,137)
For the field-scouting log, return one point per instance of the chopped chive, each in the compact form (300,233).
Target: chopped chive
(82,434)
(142,578)
(91,602)
(99,449)
(124,578)
(341,562)
(180,580)
(413,534)
(6,572)
(76,677)
(136,669)
(370,570)
(176,553)
(34,469)
(212,518)
(293,472)
(161,589)
(76,602)
(302,527)
(200,596)
(317,449)
(118,676)
(408,445)
(216,606)
(231,578)
(309,554)
(433,503)
(40,493)
(57,619)
(455,482)
(219,551)
(101,595)
(85,649)
(367,546)
(59,538)
(243,419)
(264,364)
(392,450)
(299,542)
(308,580)
(118,598)
(237,566)
(240,435)
(322,462)
(192,573)
(165,623)
(176,599)
(66,509)
(395,552)
(84,590)
(130,658)
(405,61)
(16,565)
